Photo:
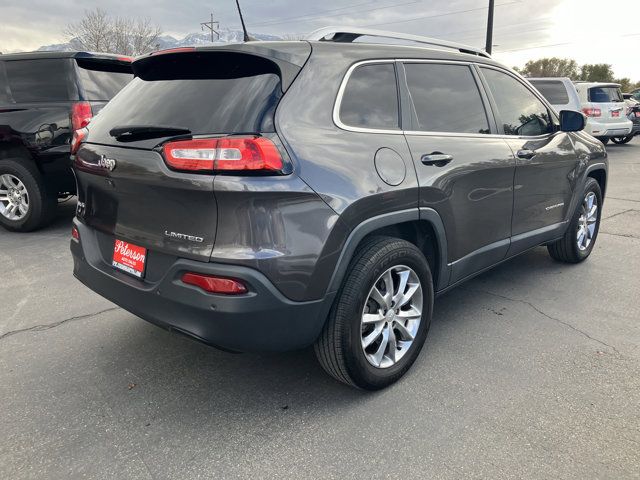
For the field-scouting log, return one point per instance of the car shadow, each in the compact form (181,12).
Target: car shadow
(171,369)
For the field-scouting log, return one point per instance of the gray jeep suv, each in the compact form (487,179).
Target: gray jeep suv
(269,196)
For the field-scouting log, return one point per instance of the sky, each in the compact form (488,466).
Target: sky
(589,31)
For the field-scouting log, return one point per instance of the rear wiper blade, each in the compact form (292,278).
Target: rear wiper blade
(124,132)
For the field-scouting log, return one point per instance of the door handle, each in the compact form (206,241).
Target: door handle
(525,153)
(437,159)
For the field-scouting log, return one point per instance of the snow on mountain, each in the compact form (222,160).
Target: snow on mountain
(168,41)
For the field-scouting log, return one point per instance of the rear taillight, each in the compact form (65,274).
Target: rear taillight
(256,154)
(212,284)
(592,112)
(75,234)
(81,114)
(76,139)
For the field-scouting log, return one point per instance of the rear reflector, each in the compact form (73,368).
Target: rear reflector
(75,234)
(592,112)
(81,114)
(224,154)
(211,284)
(76,139)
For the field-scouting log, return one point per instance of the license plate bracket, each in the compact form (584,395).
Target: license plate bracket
(129,258)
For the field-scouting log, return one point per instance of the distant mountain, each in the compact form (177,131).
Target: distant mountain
(167,41)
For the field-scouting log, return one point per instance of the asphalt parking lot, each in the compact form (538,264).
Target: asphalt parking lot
(531,370)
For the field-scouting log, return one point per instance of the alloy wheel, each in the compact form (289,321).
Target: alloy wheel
(587,221)
(391,316)
(14,198)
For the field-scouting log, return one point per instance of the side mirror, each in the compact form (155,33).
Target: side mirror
(572,121)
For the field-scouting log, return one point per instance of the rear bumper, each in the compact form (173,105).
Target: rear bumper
(609,129)
(261,320)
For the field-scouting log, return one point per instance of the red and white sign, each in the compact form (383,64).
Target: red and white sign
(129,258)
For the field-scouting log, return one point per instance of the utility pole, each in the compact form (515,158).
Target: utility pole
(489,28)
(210,26)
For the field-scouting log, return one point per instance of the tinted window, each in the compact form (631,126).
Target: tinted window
(520,111)
(446,98)
(205,93)
(101,80)
(43,80)
(605,94)
(371,99)
(554,91)
(4,89)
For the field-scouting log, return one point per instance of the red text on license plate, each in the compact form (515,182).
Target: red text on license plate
(129,258)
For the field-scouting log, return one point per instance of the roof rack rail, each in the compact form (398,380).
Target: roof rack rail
(349,34)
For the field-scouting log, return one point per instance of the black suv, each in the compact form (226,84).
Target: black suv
(44,96)
(274,195)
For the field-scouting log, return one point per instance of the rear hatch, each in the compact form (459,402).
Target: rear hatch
(608,99)
(130,189)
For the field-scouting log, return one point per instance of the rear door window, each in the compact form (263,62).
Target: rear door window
(446,98)
(605,95)
(370,99)
(41,80)
(102,80)
(206,93)
(521,112)
(553,90)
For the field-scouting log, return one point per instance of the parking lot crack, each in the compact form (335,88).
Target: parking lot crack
(620,213)
(624,235)
(49,326)
(555,319)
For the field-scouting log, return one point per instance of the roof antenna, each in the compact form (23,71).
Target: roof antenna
(247,38)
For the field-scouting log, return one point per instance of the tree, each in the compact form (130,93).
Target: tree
(98,32)
(550,67)
(596,72)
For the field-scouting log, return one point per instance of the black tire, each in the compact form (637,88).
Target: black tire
(339,349)
(622,140)
(566,249)
(604,140)
(42,204)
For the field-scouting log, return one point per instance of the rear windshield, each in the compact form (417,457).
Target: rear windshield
(102,80)
(205,92)
(605,94)
(554,91)
(40,80)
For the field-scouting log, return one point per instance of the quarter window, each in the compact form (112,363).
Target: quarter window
(519,109)
(370,99)
(43,80)
(446,98)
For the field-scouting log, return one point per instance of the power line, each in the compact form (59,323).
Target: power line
(559,44)
(423,17)
(313,14)
(306,18)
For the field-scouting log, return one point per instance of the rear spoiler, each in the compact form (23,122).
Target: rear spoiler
(289,57)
